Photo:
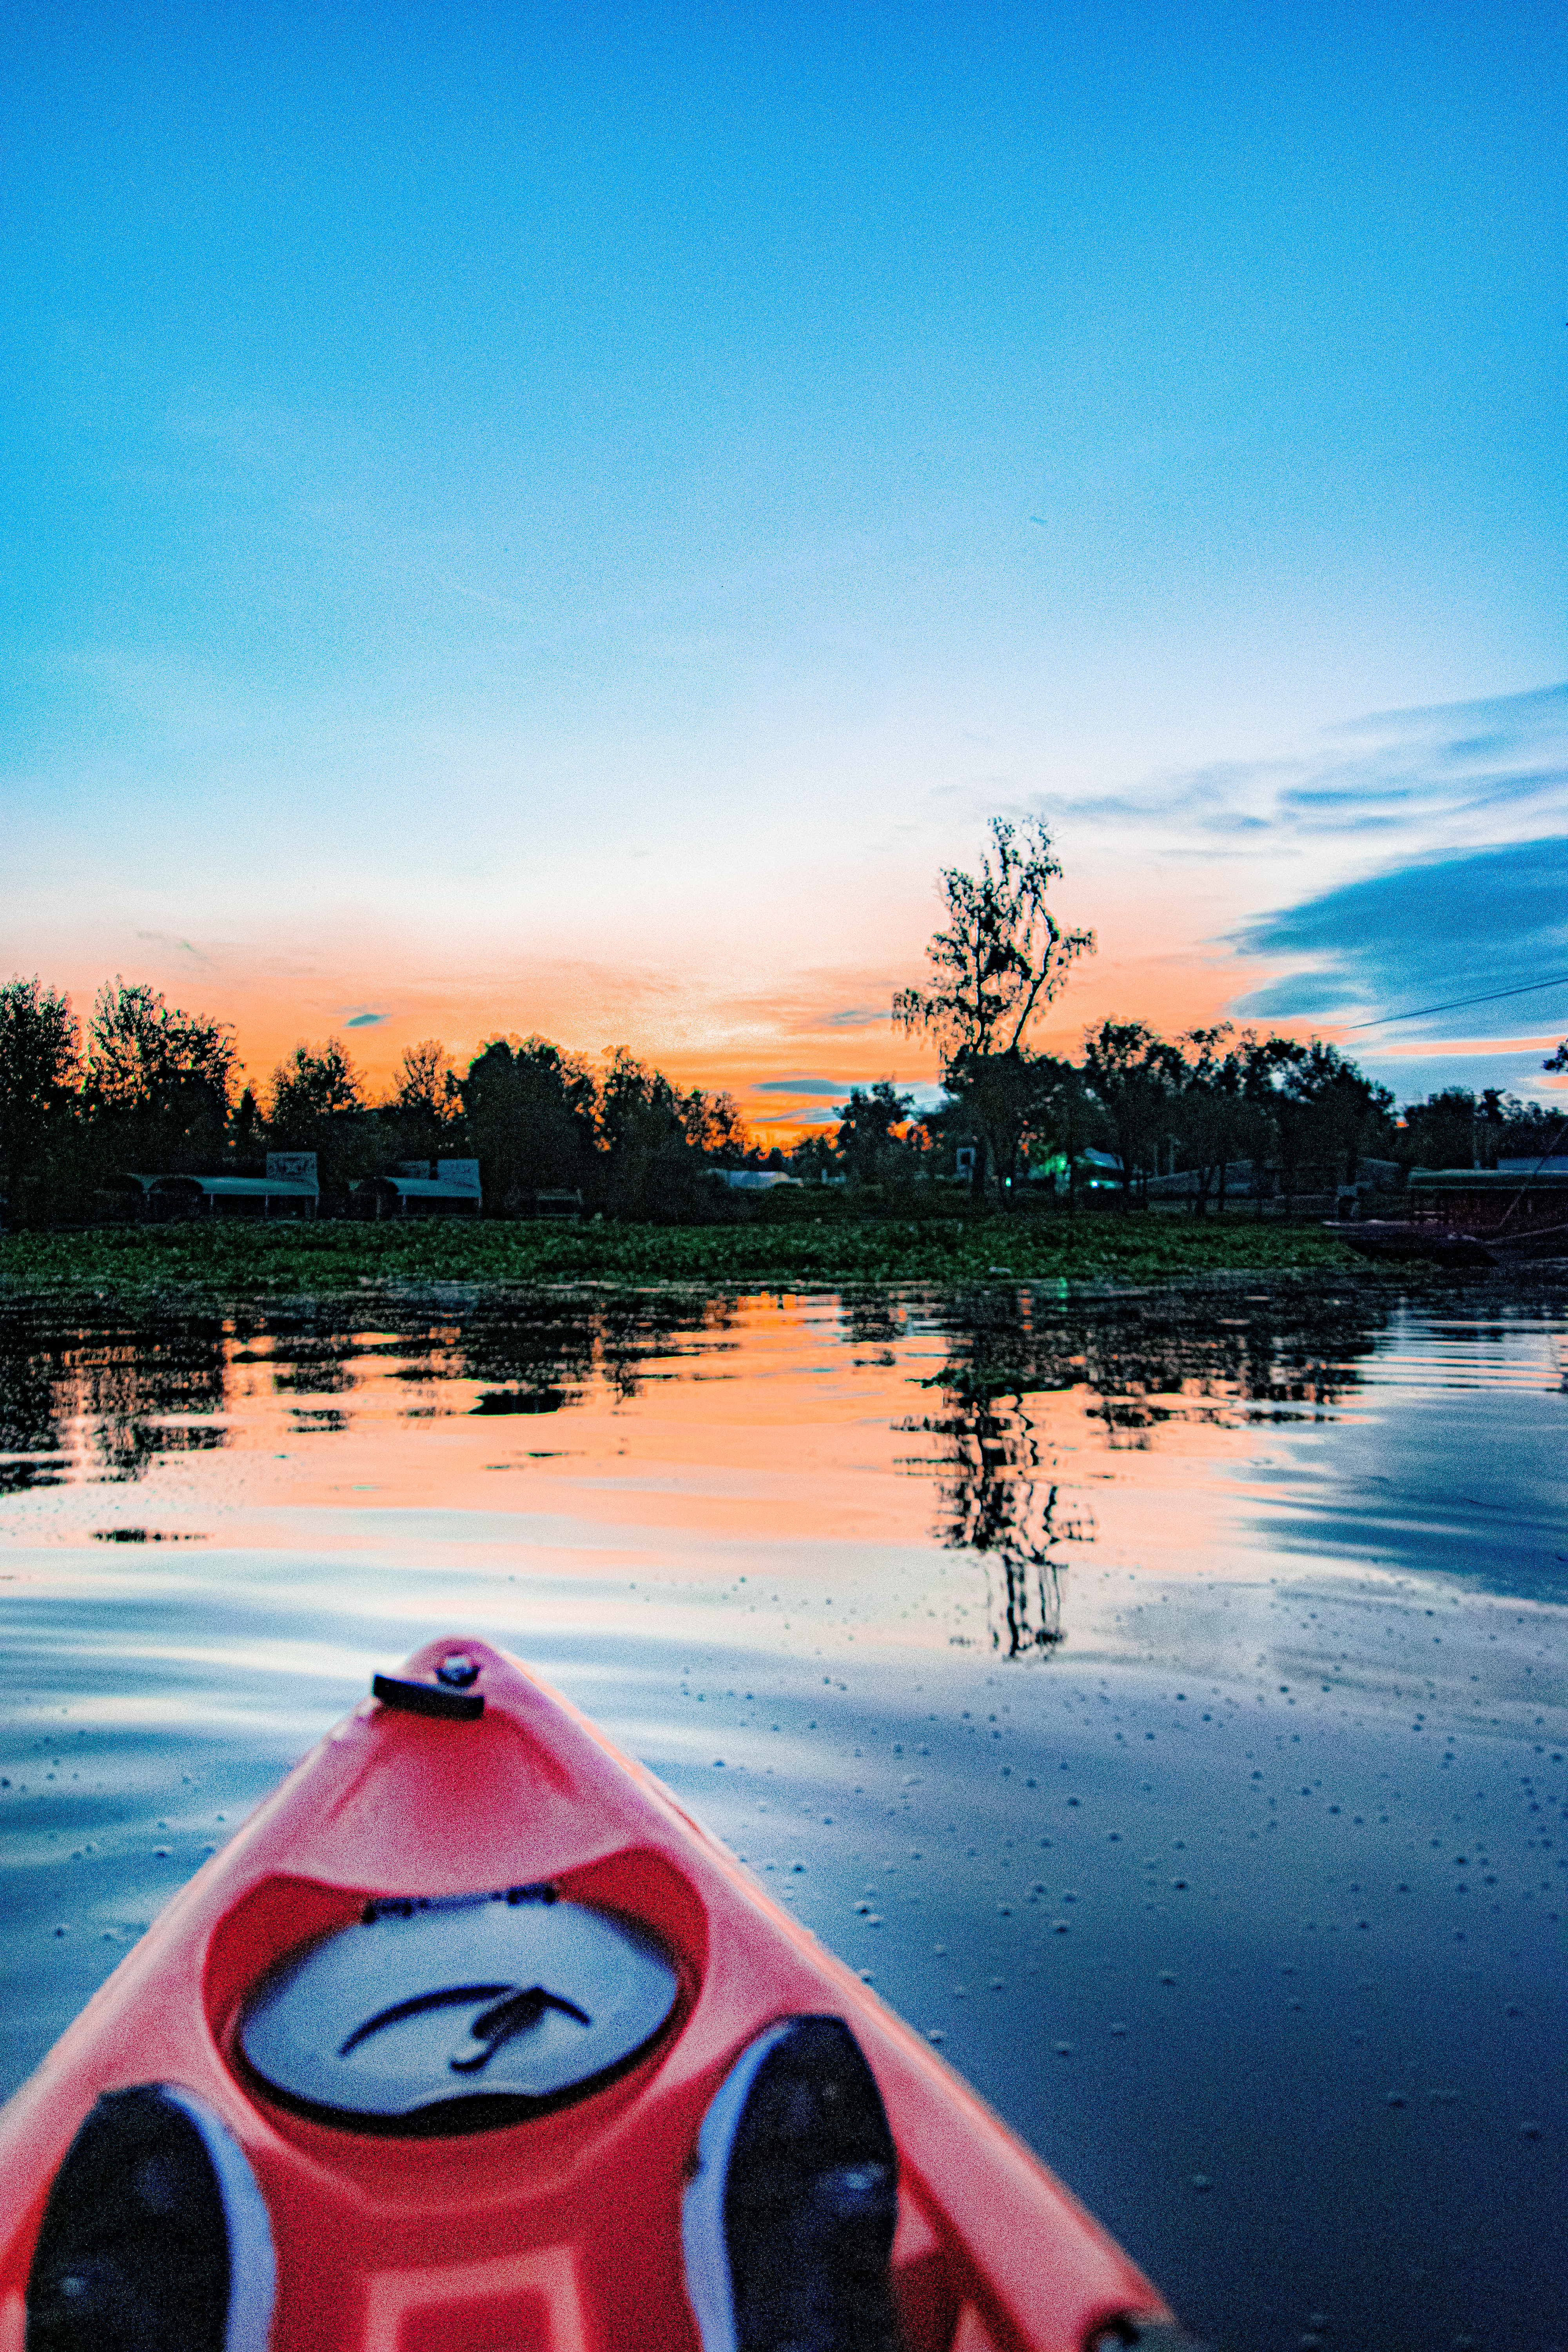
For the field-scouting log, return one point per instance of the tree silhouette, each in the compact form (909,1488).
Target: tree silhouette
(1003,955)
(308,1088)
(39,1064)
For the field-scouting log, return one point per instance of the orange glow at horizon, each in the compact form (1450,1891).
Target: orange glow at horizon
(725,996)
(702,1024)
(737,1042)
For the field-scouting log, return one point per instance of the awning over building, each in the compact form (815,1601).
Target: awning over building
(289,1182)
(442,1188)
(1503,1180)
(241,1188)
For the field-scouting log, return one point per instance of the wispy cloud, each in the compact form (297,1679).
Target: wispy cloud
(1457,771)
(180,946)
(1405,859)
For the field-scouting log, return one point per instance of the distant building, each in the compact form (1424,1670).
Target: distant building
(1097,1171)
(288,1188)
(129,1194)
(751,1180)
(1243,1178)
(423,1188)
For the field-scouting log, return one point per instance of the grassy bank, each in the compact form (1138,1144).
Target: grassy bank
(233,1262)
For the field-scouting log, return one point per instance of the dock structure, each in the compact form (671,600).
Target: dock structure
(1519,1205)
(1475,1216)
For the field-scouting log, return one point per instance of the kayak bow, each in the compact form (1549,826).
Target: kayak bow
(461,1990)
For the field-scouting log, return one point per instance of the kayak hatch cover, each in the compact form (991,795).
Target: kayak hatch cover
(452,2005)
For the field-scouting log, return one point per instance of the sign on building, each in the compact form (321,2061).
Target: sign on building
(293,1167)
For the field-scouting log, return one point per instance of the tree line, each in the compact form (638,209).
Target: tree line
(1227,1111)
(145,1085)
(1300,1117)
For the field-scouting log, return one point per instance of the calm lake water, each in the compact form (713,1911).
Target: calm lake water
(1160,1697)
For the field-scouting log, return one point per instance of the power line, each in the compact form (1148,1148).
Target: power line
(1493,996)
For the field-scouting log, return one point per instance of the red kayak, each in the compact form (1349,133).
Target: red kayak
(447,2016)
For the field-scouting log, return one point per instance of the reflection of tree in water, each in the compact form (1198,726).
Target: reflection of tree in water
(553,1348)
(134,1389)
(633,1335)
(120,1383)
(993,1499)
(874,1325)
(530,1354)
(315,1367)
(1144,1362)
(1213,1358)
(31,1431)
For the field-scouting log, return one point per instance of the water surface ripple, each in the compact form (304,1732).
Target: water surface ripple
(1158,1696)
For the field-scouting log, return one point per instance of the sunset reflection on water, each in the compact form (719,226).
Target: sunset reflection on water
(918,1464)
(974,1620)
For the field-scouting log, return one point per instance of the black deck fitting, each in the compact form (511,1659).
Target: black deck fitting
(429,1698)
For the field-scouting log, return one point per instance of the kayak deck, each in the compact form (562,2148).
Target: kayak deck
(523,2216)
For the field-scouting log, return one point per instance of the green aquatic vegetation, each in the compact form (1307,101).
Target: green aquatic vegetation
(235,1261)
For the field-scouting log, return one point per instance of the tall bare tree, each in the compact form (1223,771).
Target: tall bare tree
(1000,959)
(1003,955)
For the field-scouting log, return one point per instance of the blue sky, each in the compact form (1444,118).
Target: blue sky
(564,518)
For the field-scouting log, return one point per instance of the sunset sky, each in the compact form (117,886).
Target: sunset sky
(563,520)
